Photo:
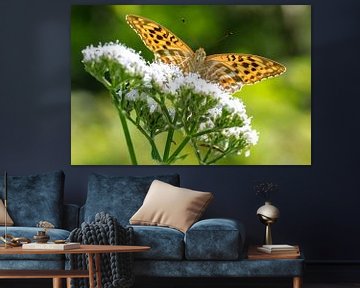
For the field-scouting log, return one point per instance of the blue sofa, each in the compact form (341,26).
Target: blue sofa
(210,248)
(32,199)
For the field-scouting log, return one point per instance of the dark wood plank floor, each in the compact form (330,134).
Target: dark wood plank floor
(45,283)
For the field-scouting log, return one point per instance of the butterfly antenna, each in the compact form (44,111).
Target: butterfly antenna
(227,35)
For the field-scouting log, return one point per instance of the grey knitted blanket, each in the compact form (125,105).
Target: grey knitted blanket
(116,268)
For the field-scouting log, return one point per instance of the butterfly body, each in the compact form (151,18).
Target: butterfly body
(199,60)
(231,70)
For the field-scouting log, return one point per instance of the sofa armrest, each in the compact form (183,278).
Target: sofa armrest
(215,239)
(71,216)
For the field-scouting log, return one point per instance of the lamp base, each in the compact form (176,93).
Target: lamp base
(268,237)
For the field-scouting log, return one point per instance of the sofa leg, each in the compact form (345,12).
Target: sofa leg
(297,282)
(57,283)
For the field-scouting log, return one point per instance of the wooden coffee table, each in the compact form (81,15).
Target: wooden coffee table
(92,251)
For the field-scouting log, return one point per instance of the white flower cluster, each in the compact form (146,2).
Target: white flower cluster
(126,57)
(236,108)
(162,75)
(170,80)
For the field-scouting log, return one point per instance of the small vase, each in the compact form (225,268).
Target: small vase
(268,214)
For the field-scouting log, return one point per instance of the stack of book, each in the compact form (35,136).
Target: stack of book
(51,246)
(274,252)
(279,249)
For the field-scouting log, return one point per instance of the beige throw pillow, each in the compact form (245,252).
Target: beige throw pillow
(170,206)
(9,221)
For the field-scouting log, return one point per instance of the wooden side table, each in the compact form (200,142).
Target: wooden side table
(254,254)
(93,251)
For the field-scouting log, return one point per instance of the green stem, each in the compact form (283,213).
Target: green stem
(197,153)
(216,129)
(169,140)
(178,150)
(106,83)
(222,155)
(207,153)
(127,135)
(155,151)
(193,141)
(215,159)
(211,147)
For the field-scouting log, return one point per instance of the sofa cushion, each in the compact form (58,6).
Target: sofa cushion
(214,239)
(165,243)
(119,196)
(9,221)
(35,198)
(170,206)
(29,232)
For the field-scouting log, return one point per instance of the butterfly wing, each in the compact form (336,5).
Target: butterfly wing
(218,72)
(166,47)
(231,71)
(234,70)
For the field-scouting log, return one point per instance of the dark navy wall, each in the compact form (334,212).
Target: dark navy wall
(318,203)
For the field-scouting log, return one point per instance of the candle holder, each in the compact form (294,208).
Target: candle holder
(41,237)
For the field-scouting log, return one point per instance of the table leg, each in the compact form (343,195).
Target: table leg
(98,270)
(57,283)
(91,270)
(297,282)
(68,282)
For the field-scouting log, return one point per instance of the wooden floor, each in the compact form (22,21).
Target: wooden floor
(45,283)
(339,285)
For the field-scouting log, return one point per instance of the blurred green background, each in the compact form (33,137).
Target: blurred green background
(280,107)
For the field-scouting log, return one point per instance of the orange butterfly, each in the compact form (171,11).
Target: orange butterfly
(230,70)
